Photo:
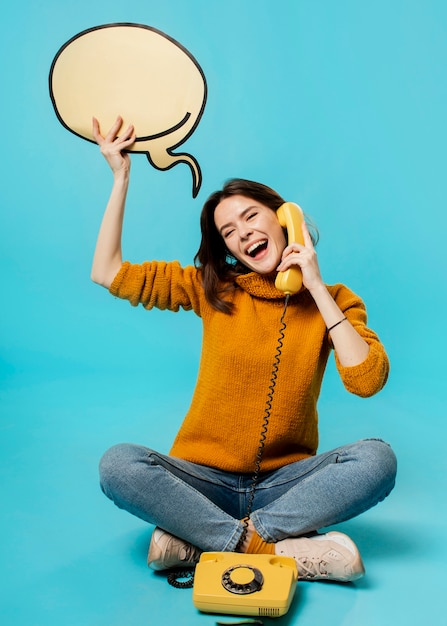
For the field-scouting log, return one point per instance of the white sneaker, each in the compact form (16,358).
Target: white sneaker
(167,551)
(332,556)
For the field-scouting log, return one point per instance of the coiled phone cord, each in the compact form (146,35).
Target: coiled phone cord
(188,574)
(265,424)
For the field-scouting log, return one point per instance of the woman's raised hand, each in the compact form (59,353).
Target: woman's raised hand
(108,258)
(113,145)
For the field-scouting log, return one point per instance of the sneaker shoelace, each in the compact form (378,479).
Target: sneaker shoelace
(310,568)
(189,553)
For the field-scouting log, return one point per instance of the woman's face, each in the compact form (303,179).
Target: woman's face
(251,232)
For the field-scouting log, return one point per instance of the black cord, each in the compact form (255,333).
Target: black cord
(267,412)
(175,576)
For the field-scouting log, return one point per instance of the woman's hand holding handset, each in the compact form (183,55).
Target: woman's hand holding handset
(305,257)
(351,348)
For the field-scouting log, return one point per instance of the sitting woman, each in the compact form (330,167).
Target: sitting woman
(201,495)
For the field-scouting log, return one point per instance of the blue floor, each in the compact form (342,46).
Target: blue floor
(70,558)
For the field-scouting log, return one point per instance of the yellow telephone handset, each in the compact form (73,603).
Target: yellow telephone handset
(291,217)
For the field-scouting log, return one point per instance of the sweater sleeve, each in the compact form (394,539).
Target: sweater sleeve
(159,284)
(370,376)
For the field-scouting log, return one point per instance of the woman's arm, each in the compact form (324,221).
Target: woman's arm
(108,257)
(350,347)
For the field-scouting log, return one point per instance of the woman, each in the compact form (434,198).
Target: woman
(198,496)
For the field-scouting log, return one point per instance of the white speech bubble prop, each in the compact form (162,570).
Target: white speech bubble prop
(137,72)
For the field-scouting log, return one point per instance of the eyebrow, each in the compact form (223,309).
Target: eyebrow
(242,214)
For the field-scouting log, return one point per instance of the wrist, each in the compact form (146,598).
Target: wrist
(318,289)
(121,176)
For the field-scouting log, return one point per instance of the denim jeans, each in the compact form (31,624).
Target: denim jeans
(205,506)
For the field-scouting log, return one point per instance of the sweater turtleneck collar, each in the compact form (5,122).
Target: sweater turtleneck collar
(260,285)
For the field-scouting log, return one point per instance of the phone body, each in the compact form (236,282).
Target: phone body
(291,217)
(244,584)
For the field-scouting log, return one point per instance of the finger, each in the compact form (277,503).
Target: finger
(125,140)
(291,256)
(293,247)
(113,132)
(96,131)
(290,260)
(128,135)
(306,235)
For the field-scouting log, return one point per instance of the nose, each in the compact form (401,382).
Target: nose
(244,232)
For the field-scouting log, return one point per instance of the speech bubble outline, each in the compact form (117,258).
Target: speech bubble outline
(109,69)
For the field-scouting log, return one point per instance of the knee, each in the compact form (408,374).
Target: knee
(114,466)
(382,461)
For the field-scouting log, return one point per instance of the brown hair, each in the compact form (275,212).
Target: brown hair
(218,266)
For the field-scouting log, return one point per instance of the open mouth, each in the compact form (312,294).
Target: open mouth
(257,248)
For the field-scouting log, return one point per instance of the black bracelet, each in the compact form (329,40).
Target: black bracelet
(332,327)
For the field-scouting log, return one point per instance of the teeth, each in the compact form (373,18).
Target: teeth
(255,246)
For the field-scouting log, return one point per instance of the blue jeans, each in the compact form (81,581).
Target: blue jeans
(205,506)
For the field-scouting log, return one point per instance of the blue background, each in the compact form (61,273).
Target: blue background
(340,106)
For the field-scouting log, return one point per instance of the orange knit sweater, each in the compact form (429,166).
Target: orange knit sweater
(222,427)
